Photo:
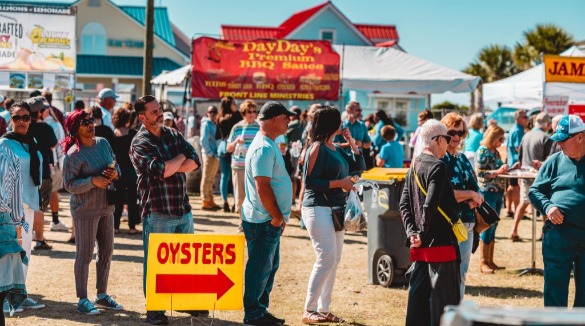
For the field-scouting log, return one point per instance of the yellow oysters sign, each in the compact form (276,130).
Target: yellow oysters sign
(37,38)
(564,69)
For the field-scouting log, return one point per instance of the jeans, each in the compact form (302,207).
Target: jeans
(465,252)
(328,246)
(159,223)
(263,241)
(495,200)
(563,250)
(226,172)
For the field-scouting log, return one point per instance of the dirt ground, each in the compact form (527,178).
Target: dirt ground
(51,279)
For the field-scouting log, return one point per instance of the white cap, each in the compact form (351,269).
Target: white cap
(168,116)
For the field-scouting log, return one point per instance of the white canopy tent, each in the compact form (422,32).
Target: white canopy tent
(392,71)
(527,87)
(385,70)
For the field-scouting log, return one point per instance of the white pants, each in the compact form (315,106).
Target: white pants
(327,245)
(29,217)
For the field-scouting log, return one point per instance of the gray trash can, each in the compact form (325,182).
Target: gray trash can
(388,255)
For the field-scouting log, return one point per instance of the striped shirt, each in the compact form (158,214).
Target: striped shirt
(10,185)
(148,154)
(248,131)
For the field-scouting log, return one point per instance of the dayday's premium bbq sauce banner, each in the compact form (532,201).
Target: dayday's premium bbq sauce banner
(265,69)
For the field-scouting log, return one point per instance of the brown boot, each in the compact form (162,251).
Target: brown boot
(490,260)
(208,205)
(483,258)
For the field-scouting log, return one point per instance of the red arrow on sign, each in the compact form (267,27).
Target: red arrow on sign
(193,283)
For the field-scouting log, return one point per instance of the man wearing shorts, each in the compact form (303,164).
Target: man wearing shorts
(534,149)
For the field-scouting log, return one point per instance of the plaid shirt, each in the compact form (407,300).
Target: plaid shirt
(148,154)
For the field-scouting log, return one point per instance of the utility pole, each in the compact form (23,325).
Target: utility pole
(148,40)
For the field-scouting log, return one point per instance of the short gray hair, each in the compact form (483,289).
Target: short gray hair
(429,130)
(542,119)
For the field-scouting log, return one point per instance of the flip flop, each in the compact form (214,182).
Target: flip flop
(333,319)
(313,317)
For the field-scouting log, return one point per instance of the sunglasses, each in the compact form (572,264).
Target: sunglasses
(212,112)
(23,118)
(447,138)
(253,112)
(454,133)
(87,122)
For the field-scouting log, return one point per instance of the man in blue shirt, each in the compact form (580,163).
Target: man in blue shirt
(514,139)
(264,214)
(358,131)
(559,192)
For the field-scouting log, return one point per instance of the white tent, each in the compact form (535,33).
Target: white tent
(392,71)
(527,87)
(378,69)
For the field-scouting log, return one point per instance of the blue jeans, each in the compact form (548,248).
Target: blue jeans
(263,242)
(226,172)
(563,250)
(495,200)
(159,223)
(465,252)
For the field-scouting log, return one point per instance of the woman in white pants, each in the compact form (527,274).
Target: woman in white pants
(24,147)
(327,182)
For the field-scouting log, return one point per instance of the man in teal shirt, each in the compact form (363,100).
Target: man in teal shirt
(513,144)
(265,212)
(559,192)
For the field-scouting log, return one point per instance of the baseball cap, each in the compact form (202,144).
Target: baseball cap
(107,92)
(273,109)
(36,103)
(168,116)
(568,125)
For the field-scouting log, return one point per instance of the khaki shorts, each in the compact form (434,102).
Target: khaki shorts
(525,185)
(57,178)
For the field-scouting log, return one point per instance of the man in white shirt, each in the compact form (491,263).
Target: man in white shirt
(107,100)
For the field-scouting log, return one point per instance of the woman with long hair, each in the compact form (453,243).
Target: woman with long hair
(462,177)
(327,182)
(122,119)
(489,166)
(89,168)
(24,146)
(228,117)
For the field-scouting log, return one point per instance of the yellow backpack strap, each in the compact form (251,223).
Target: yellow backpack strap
(425,193)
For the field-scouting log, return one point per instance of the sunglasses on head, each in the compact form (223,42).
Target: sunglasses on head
(23,118)
(453,133)
(87,122)
(447,138)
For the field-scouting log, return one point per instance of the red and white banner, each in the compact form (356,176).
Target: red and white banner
(265,69)
(555,105)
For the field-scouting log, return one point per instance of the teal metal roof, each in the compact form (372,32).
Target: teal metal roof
(120,65)
(162,24)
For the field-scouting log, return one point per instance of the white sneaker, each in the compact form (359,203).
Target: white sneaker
(32,304)
(60,226)
(6,308)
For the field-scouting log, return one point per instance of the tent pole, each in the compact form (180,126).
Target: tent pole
(543,81)
(341,77)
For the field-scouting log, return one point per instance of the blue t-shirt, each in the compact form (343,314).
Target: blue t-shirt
(514,139)
(473,140)
(461,176)
(377,139)
(358,131)
(393,155)
(264,159)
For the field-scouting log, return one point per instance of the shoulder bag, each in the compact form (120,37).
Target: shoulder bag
(459,229)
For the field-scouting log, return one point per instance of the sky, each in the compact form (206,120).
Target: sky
(446,32)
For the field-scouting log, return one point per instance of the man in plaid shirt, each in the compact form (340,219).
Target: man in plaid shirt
(161,157)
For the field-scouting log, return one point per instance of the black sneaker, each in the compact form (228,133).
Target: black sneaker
(226,207)
(264,321)
(279,321)
(196,313)
(156,318)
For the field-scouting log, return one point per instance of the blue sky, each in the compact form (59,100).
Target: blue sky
(446,32)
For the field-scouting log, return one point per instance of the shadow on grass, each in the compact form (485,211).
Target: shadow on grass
(57,254)
(214,222)
(502,292)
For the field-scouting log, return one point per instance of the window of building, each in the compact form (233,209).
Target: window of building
(93,39)
(327,35)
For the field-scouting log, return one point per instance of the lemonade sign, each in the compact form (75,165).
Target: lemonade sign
(37,38)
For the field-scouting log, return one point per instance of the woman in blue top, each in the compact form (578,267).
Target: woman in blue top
(462,177)
(382,119)
(475,136)
(489,166)
(327,181)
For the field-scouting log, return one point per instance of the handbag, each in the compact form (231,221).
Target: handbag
(116,194)
(485,216)
(458,228)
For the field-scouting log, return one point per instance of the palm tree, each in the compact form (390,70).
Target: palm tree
(544,38)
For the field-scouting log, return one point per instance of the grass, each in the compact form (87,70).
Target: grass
(51,279)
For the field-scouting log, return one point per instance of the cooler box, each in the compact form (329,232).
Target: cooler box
(388,255)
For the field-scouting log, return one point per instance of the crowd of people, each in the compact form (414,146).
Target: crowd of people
(282,161)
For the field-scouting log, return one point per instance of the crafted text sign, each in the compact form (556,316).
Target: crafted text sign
(195,272)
